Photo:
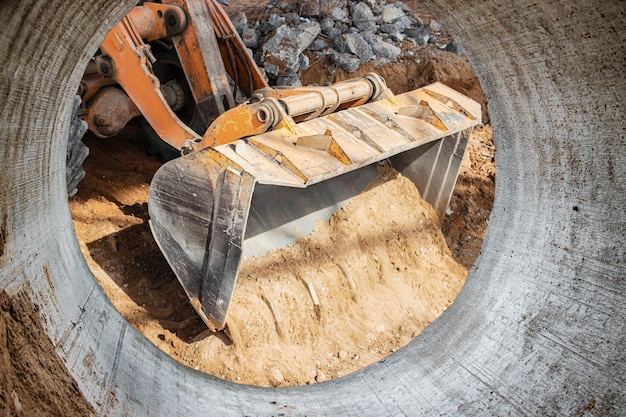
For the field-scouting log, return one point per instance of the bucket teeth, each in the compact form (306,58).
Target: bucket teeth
(360,136)
(450,103)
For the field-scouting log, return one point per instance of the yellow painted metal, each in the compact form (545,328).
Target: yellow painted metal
(365,134)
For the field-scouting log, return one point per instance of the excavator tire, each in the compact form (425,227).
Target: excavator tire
(77,151)
(166,68)
(538,328)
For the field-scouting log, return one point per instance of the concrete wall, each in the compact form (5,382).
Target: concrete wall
(538,328)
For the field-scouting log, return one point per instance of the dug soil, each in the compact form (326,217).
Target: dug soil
(361,286)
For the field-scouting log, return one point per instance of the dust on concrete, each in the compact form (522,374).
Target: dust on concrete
(33,379)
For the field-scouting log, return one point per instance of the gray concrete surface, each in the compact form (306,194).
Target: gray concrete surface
(537,330)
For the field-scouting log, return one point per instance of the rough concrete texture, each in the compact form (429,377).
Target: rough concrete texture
(538,328)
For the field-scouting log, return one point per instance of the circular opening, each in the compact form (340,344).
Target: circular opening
(262,115)
(360,287)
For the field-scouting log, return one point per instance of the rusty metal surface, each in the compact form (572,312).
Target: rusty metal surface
(109,111)
(198,209)
(208,50)
(238,62)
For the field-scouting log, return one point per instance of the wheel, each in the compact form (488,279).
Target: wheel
(77,151)
(167,68)
(539,326)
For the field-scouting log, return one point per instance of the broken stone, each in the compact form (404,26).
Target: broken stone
(351,32)
(281,49)
(310,8)
(347,62)
(379,62)
(271,23)
(292,18)
(398,26)
(386,50)
(265,28)
(332,32)
(402,6)
(388,28)
(451,47)
(345,27)
(276,20)
(362,17)
(340,15)
(318,45)
(289,80)
(328,51)
(404,23)
(288,6)
(250,38)
(326,24)
(240,21)
(375,6)
(391,13)
(396,36)
(304,62)
(370,37)
(308,33)
(434,26)
(421,34)
(271,69)
(331,8)
(356,44)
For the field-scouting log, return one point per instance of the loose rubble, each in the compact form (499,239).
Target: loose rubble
(349,33)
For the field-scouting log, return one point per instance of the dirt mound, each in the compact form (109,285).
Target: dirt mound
(376,257)
(326,306)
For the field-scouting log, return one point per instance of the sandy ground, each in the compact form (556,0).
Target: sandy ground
(380,271)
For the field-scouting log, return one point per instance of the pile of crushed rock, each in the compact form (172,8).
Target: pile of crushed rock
(349,32)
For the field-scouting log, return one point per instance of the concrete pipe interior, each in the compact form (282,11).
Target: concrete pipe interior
(537,329)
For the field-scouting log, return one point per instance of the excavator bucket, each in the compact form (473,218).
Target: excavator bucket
(247,196)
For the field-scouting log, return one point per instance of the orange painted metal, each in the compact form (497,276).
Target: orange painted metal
(306,103)
(156,21)
(285,108)
(189,49)
(238,62)
(130,67)
(92,83)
